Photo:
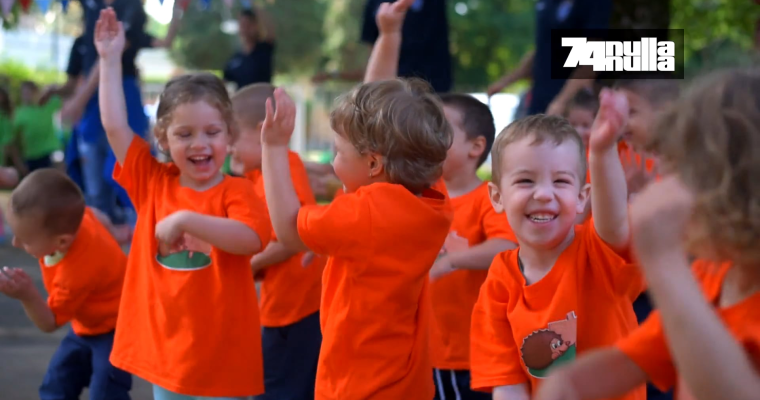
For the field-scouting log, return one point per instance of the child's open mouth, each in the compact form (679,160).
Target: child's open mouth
(541,218)
(200,161)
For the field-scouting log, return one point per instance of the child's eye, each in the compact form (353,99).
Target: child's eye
(562,181)
(182,134)
(523,181)
(213,133)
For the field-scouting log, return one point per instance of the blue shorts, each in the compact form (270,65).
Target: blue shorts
(160,393)
(82,361)
(290,359)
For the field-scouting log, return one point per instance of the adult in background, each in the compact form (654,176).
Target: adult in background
(550,95)
(424,46)
(97,159)
(253,63)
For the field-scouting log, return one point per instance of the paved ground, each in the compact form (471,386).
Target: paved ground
(25,351)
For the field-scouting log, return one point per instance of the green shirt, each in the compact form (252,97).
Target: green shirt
(6,136)
(37,129)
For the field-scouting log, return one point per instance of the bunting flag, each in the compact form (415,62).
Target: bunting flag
(65,5)
(6,6)
(204,4)
(25,4)
(44,5)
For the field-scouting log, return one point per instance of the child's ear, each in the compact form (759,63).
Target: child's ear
(496,198)
(477,147)
(583,197)
(376,165)
(64,241)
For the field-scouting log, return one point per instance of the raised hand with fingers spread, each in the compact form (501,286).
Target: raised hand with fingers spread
(390,16)
(610,121)
(278,125)
(109,36)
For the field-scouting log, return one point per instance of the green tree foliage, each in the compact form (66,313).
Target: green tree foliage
(200,42)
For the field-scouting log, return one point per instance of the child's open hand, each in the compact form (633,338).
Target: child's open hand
(610,121)
(169,232)
(109,35)
(278,125)
(659,216)
(16,284)
(390,16)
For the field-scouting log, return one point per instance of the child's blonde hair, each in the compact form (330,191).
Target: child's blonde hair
(249,104)
(541,128)
(711,139)
(400,120)
(189,89)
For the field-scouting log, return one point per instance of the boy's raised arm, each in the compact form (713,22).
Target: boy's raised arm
(383,62)
(609,193)
(110,42)
(281,196)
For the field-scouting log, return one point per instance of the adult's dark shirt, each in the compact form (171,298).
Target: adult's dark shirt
(560,14)
(254,67)
(76,57)
(132,16)
(425,45)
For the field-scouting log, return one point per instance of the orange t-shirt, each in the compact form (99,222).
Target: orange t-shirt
(381,242)
(454,295)
(290,292)
(647,345)
(84,287)
(189,321)
(520,333)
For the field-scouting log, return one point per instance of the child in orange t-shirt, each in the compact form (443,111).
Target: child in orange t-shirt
(189,319)
(83,273)
(381,236)
(705,337)
(477,235)
(290,291)
(566,290)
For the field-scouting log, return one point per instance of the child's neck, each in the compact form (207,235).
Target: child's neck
(537,262)
(462,183)
(739,284)
(202,186)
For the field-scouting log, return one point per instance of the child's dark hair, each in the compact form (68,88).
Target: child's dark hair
(655,91)
(477,119)
(400,120)
(248,13)
(710,138)
(189,89)
(584,99)
(52,197)
(29,85)
(6,106)
(249,104)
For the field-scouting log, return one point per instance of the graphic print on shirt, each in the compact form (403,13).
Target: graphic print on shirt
(454,243)
(549,348)
(192,254)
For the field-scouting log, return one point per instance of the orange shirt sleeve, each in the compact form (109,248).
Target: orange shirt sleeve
(647,348)
(139,168)
(496,226)
(624,275)
(336,229)
(70,288)
(301,183)
(494,355)
(243,205)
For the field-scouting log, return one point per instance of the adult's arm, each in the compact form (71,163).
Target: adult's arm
(269,33)
(524,70)
(171,33)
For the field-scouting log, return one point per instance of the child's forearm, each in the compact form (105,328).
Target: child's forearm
(36,308)
(73,110)
(699,342)
(225,234)
(113,109)
(480,257)
(601,374)
(511,392)
(609,198)
(281,196)
(275,253)
(383,62)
